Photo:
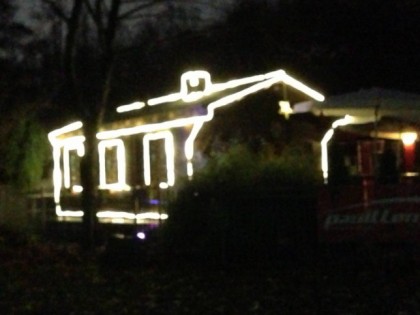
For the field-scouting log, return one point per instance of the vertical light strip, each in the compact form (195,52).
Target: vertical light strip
(190,169)
(189,143)
(66,166)
(146,160)
(170,158)
(189,146)
(324,153)
(57,175)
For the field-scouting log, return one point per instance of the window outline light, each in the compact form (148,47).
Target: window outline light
(168,137)
(121,184)
(80,151)
(57,144)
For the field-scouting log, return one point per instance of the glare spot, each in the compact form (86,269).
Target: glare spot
(141,235)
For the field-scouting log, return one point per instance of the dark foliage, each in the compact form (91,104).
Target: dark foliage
(244,207)
(51,278)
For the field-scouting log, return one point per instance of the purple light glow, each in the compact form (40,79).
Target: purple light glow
(154,201)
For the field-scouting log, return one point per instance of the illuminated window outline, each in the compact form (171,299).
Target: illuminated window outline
(58,147)
(168,137)
(121,184)
(80,151)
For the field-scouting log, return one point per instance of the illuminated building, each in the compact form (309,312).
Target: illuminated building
(142,154)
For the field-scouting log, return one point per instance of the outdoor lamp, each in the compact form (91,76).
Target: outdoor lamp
(408,138)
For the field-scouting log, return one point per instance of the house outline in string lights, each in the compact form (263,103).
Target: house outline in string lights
(176,134)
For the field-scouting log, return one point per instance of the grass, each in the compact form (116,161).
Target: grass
(40,277)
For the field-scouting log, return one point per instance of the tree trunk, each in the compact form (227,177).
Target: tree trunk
(89,180)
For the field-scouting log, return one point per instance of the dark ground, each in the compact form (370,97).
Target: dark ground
(39,277)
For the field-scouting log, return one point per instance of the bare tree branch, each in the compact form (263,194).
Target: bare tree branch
(70,43)
(139,8)
(57,10)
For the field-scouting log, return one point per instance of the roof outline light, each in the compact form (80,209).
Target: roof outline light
(130,107)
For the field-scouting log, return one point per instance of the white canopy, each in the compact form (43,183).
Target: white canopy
(373,102)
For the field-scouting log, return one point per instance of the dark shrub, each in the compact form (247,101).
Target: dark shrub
(243,207)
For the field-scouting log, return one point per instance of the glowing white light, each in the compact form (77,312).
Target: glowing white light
(218,87)
(285,109)
(68,213)
(164,99)
(324,153)
(57,175)
(343,121)
(190,169)
(192,79)
(121,165)
(194,86)
(169,154)
(52,136)
(74,142)
(110,214)
(303,88)
(408,138)
(163,186)
(262,82)
(240,95)
(77,189)
(130,107)
(189,143)
(75,145)
(346,120)
(141,235)
(181,122)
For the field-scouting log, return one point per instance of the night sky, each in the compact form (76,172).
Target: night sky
(340,46)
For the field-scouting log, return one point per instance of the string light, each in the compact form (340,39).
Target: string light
(169,152)
(130,107)
(346,120)
(120,185)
